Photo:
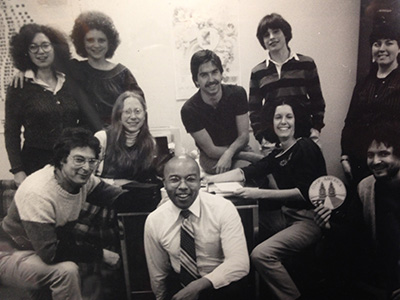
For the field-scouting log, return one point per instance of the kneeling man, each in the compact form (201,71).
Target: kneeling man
(195,244)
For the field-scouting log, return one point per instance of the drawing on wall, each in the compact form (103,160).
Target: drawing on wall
(195,29)
(12,17)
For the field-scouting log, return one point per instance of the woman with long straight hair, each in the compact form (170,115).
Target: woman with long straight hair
(128,148)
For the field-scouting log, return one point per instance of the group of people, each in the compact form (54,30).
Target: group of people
(194,241)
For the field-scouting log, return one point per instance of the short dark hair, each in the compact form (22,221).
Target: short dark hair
(20,42)
(72,138)
(90,20)
(273,21)
(302,119)
(202,57)
(389,31)
(387,133)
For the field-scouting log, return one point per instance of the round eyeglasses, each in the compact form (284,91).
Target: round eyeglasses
(136,112)
(34,48)
(80,161)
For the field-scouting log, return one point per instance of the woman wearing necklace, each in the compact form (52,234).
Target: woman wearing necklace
(375,99)
(44,106)
(294,165)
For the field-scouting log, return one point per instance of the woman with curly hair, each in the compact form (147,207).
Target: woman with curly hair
(96,38)
(44,106)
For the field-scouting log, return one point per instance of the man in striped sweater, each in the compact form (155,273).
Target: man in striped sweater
(283,73)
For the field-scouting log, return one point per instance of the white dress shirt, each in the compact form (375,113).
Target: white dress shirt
(221,249)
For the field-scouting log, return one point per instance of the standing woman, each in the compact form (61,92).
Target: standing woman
(44,106)
(375,99)
(96,38)
(294,165)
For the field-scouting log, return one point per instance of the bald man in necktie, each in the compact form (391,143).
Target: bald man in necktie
(194,242)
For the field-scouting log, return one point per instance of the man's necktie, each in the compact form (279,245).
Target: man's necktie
(188,251)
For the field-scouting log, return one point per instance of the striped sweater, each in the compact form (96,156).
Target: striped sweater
(299,77)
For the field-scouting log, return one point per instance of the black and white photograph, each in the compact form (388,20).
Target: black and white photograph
(199,149)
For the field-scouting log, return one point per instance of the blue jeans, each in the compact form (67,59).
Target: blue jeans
(25,269)
(295,230)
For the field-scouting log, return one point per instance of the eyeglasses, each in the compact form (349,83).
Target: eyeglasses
(79,161)
(34,48)
(136,112)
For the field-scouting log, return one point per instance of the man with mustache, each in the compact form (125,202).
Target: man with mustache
(217,117)
(218,246)
(282,73)
(38,250)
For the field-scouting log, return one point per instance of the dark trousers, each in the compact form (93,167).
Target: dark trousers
(234,291)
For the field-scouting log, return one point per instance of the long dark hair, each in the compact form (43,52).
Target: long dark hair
(302,119)
(144,145)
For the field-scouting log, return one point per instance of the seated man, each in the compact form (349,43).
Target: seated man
(217,117)
(38,249)
(201,254)
(379,195)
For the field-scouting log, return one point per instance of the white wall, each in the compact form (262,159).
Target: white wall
(326,30)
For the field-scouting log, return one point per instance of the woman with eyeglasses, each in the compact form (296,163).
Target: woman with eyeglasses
(128,150)
(96,81)
(127,155)
(44,106)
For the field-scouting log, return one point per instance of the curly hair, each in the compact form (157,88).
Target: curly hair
(70,139)
(91,20)
(273,21)
(302,119)
(20,42)
(202,57)
(145,144)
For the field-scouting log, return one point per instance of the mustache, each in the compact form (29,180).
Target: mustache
(211,83)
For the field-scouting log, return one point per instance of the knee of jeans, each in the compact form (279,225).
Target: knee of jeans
(68,268)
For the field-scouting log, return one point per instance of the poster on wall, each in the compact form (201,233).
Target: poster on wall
(213,27)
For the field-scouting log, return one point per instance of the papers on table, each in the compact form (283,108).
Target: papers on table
(224,188)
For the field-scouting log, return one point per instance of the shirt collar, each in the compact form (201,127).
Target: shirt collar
(194,208)
(60,80)
(291,55)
